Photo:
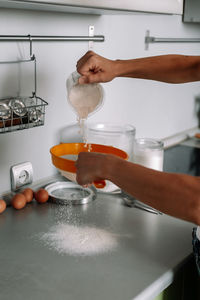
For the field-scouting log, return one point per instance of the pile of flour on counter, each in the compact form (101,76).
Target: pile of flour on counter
(79,240)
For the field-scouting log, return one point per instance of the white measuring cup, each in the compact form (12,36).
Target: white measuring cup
(85,99)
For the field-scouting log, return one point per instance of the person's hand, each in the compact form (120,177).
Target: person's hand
(91,167)
(95,68)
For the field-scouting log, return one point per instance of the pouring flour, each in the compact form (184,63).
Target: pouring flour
(85,99)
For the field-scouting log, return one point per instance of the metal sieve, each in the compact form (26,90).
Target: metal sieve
(64,193)
(59,152)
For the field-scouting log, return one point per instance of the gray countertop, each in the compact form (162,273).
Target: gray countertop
(149,249)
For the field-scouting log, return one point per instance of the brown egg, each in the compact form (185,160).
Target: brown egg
(41,196)
(2,205)
(18,201)
(28,193)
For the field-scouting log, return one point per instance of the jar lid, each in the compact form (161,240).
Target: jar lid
(35,115)
(5,111)
(64,193)
(18,107)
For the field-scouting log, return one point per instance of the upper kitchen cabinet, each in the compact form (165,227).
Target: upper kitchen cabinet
(191,12)
(99,7)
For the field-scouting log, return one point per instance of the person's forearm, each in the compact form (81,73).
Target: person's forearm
(175,194)
(165,68)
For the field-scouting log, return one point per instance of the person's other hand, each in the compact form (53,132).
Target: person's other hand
(90,167)
(95,68)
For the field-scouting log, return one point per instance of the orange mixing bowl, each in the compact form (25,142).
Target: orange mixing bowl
(74,149)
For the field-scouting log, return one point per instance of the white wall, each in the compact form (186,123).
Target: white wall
(155,109)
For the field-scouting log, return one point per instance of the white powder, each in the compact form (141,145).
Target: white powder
(75,240)
(85,99)
(83,130)
(150,159)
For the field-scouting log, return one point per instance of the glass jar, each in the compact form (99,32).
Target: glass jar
(71,134)
(112,134)
(148,153)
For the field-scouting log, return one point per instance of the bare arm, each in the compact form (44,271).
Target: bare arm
(175,194)
(166,68)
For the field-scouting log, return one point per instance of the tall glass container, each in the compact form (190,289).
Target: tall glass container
(148,153)
(119,135)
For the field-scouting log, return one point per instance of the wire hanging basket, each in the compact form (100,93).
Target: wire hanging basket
(19,112)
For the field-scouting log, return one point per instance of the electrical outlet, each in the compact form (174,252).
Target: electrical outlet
(21,174)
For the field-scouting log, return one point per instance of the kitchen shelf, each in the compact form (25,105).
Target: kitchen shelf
(98,7)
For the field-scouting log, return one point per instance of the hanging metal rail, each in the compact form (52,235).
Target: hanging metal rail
(151,39)
(49,38)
